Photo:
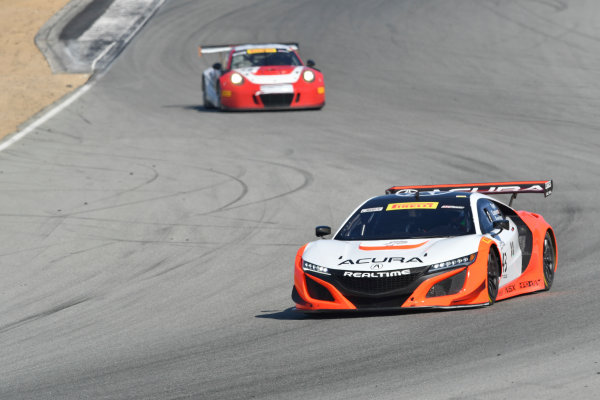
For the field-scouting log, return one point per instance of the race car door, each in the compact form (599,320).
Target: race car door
(506,239)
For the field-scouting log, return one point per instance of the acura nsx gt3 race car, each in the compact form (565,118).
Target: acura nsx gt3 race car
(261,76)
(445,246)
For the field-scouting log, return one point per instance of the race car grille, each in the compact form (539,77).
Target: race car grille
(375,286)
(277,99)
(377,302)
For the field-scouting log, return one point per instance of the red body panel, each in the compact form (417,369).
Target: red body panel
(245,95)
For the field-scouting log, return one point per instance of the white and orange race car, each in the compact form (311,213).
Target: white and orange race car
(261,76)
(428,246)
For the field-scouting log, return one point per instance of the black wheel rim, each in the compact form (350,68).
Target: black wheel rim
(549,261)
(493,277)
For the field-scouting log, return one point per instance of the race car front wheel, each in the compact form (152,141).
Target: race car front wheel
(493,276)
(206,103)
(549,261)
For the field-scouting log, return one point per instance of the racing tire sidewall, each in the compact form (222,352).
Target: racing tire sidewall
(205,102)
(548,261)
(493,276)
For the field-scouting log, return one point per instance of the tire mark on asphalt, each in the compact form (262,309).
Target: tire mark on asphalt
(131,189)
(63,306)
(170,195)
(308,179)
(546,35)
(245,234)
(150,223)
(80,252)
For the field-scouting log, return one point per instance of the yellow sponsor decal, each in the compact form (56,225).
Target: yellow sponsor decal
(486,240)
(226,93)
(420,205)
(258,51)
(320,90)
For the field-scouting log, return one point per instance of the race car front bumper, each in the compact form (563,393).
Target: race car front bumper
(465,286)
(248,96)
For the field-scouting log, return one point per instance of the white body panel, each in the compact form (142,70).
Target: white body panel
(250,74)
(355,255)
(508,244)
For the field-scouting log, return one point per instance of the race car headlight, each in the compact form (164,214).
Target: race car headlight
(236,78)
(308,75)
(306,266)
(454,263)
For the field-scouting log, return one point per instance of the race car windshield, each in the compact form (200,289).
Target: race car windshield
(406,218)
(263,57)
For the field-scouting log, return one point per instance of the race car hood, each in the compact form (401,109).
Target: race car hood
(388,254)
(271,75)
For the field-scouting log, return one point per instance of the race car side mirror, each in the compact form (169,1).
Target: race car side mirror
(501,224)
(321,231)
(217,66)
(310,63)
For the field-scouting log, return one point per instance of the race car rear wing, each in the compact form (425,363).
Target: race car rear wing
(224,48)
(513,188)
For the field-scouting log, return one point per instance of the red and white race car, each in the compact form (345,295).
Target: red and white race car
(261,76)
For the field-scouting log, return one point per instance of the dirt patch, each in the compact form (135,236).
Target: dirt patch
(27,85)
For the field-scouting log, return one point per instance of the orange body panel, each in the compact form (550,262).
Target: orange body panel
(339,303)
(474,291)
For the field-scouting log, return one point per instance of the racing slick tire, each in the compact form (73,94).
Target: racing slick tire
(205,102)
(493,276)
(220,106)
(549,257)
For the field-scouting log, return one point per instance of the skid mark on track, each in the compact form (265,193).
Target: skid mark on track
(43,314)
(308,179)
(156,198)
(148,181)
(549,37)
(80,252)
(242,194)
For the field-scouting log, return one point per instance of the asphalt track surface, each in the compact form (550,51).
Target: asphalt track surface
(147,244)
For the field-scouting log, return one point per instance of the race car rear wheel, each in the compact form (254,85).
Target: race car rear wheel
(493,276)
(549,261)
